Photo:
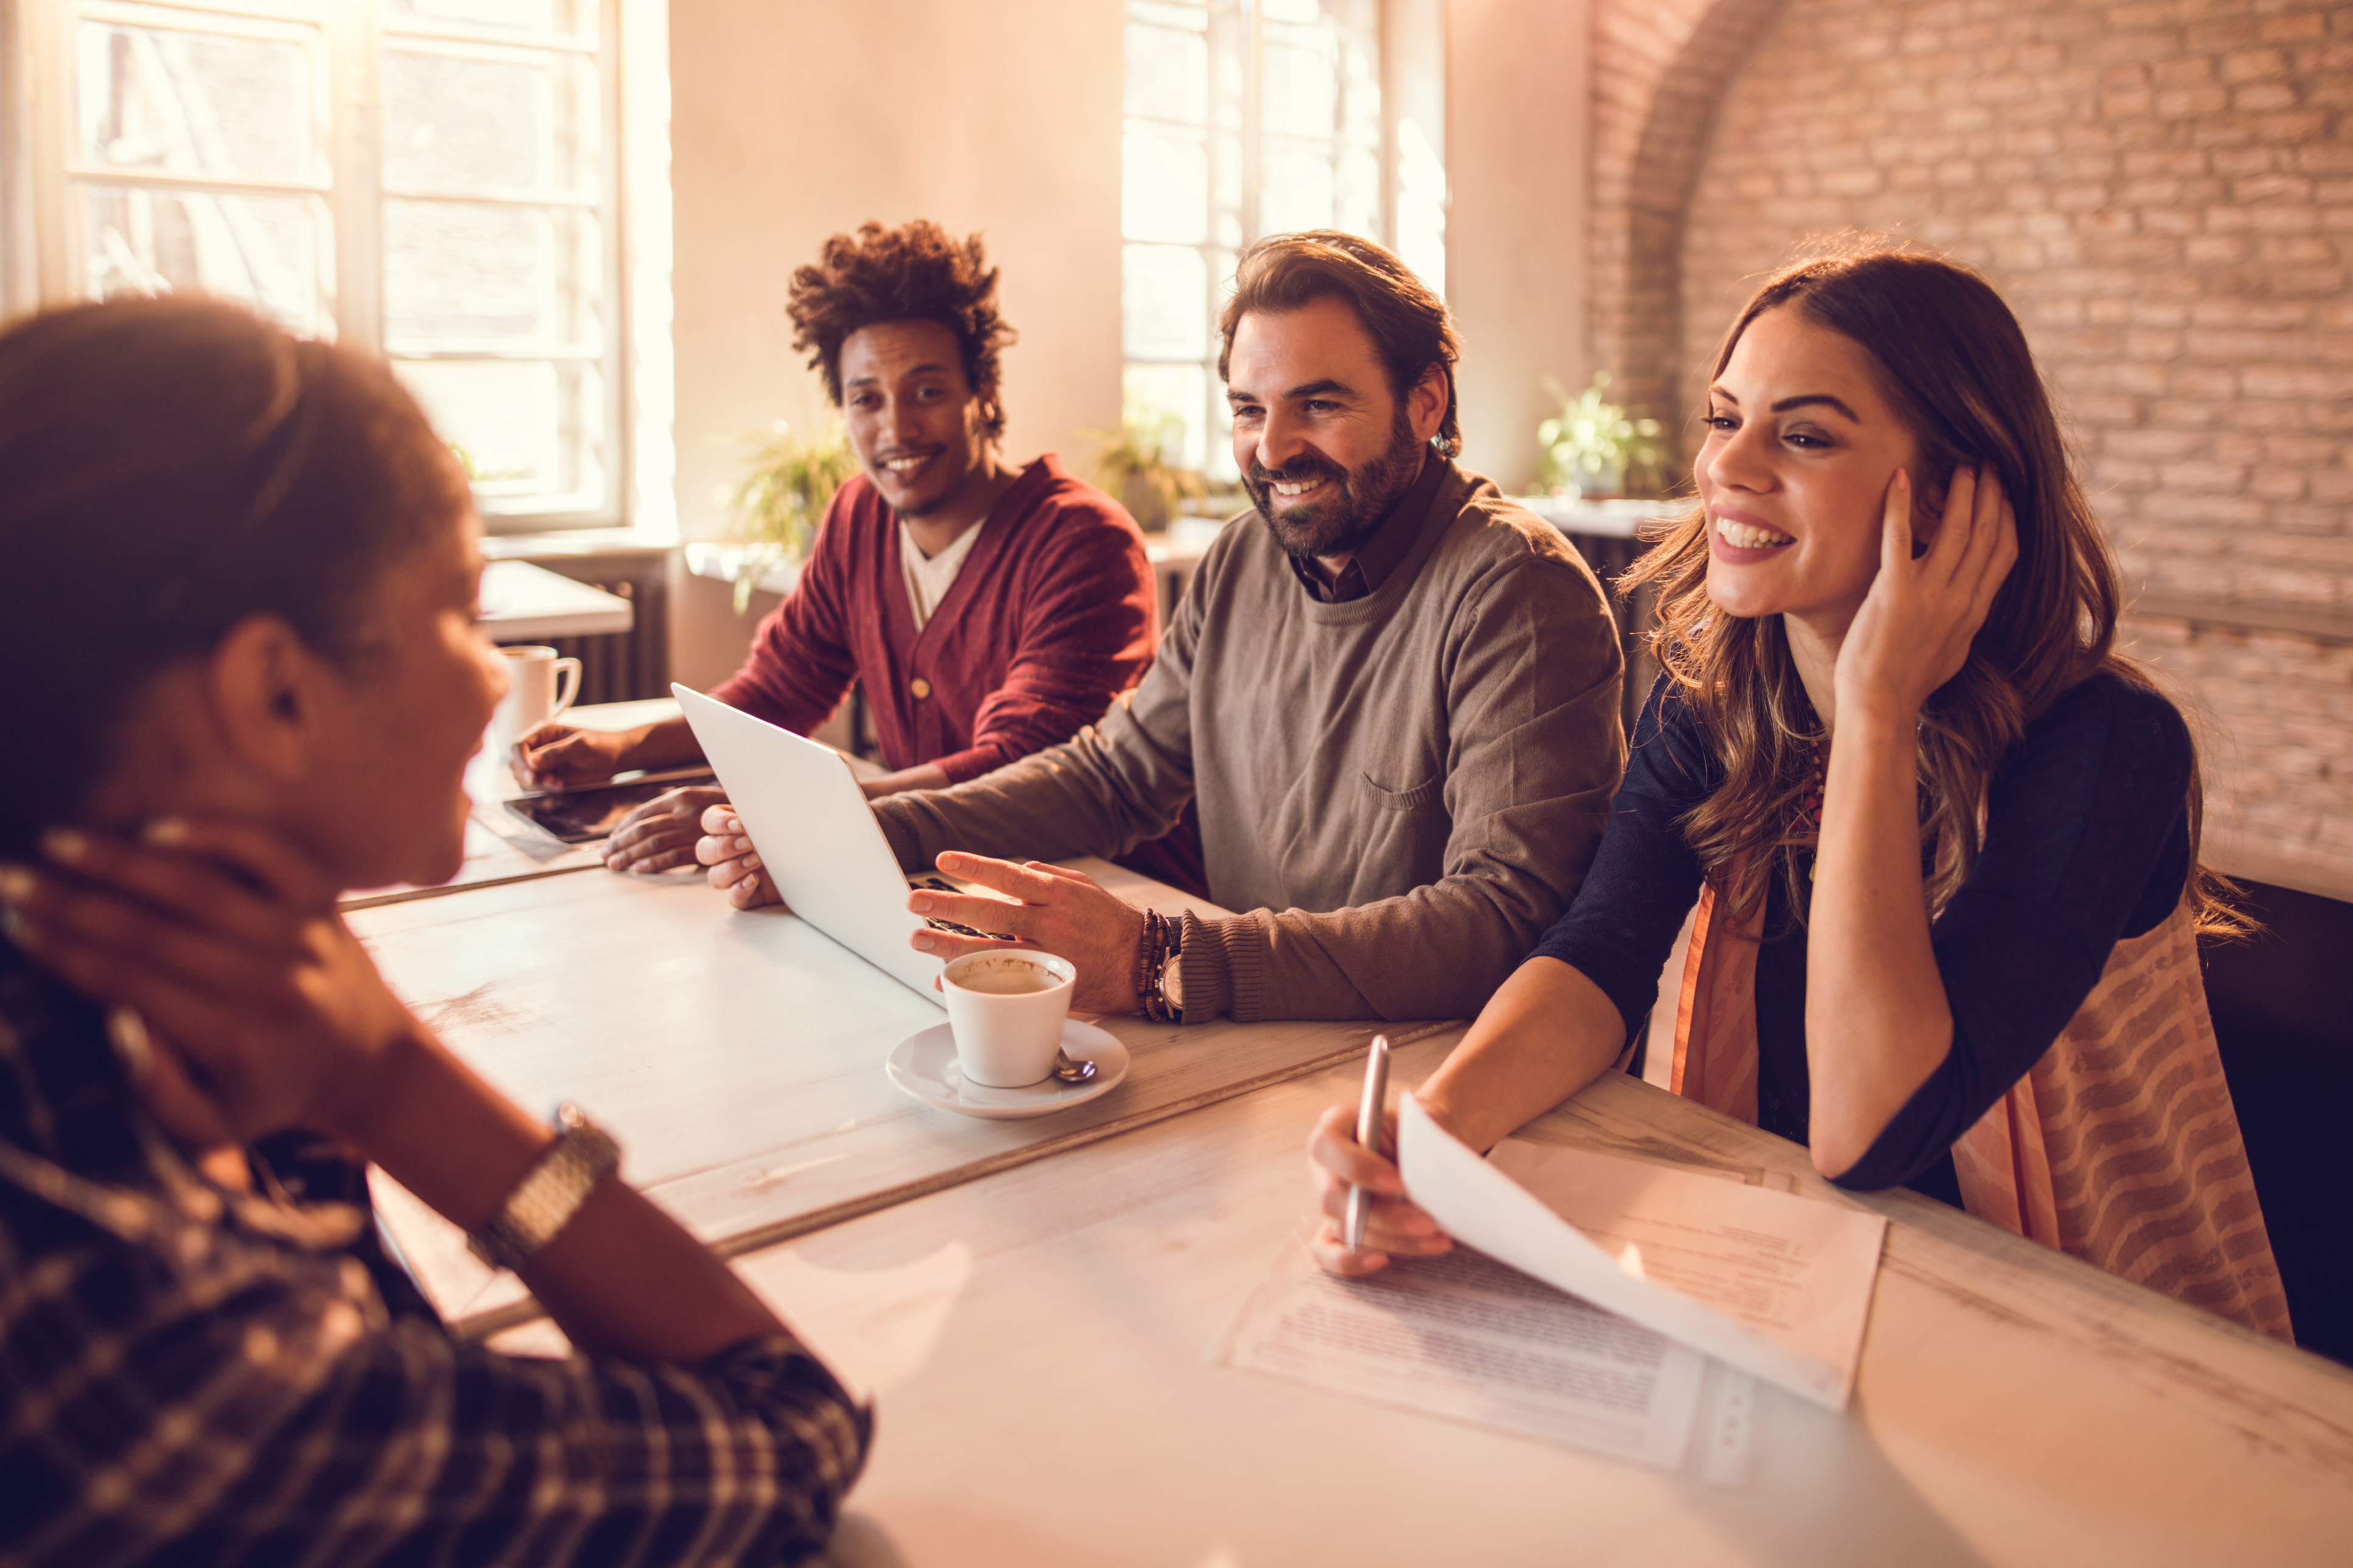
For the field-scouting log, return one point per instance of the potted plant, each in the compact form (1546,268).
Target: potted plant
(1593,448)
(783,498)
(1133,464)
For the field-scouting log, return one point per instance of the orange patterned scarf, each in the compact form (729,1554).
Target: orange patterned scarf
(2120,1147)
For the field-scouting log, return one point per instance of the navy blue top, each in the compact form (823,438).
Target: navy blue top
(2087,842)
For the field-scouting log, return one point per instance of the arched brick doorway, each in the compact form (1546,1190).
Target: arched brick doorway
(1660,69)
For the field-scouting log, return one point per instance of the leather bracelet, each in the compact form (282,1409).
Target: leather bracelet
(1147,967)
(550,1193)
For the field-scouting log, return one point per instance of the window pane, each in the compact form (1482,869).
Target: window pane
(528,429)
(1190,15)
(197,103)
(1226,208)
(574,17)
(1164,302)
(1168,74)
(479,126)
(1361,100)
(1421,205)
(1300,92)
(1306,12)
(1164,187)
(1356,197)
(1181,390)
(462,274)
(270,251)
(1294,189)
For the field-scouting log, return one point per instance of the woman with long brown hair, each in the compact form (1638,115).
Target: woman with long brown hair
(1942,837)
(236,610)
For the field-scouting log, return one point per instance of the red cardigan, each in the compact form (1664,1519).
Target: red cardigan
(1052,615)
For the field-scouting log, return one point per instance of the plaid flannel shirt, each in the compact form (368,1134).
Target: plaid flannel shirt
(193,1375)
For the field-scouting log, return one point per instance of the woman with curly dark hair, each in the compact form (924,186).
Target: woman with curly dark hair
(987,612)
(1943,838)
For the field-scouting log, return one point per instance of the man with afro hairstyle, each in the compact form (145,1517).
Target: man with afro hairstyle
(989,611)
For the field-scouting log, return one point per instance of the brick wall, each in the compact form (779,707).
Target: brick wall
(2278,712)
(2164,192)
(1660,68)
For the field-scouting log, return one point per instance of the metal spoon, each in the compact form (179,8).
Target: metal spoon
(1070,1071)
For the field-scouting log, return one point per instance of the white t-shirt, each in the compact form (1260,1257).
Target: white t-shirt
(928,581)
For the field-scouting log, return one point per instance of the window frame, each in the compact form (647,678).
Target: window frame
(1239,29)
(40,234)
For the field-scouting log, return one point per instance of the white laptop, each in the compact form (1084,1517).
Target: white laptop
(817,836)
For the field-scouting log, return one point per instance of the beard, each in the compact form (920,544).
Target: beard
(1340,523)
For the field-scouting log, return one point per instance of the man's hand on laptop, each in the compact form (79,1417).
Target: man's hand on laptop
(733,866)
(661,835)
(1066,913)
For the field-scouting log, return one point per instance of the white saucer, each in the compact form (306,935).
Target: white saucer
(925,1065)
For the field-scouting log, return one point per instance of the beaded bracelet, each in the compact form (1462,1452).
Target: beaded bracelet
(1163,937)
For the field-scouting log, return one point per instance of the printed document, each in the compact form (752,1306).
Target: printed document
(1768,1282)
(1614,1304)
(1463,1337)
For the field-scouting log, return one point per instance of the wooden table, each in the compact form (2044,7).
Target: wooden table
(738,1056)
(1038,1341)
(1034,1300)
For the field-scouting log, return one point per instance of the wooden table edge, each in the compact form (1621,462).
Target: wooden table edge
(498,1319)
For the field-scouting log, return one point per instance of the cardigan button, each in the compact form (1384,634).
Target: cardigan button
(920,686)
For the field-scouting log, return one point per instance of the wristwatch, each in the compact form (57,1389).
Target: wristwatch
(547,1197)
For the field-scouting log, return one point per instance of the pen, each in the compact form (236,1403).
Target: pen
(1369,1133)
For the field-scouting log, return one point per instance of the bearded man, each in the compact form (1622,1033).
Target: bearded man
(1393,698)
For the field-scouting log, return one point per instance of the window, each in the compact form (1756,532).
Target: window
(1253,117)
(467,228)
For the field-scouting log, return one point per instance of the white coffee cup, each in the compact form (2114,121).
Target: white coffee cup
(540,684)
(1006,1009)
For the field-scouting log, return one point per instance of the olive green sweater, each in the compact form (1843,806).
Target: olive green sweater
(1404,790)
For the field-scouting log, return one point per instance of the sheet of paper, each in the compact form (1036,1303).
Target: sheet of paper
(1770,1283)
(1463,1337)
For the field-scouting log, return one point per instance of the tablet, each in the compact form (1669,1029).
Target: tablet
(576,816)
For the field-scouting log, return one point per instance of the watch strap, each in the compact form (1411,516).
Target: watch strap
(550,1193)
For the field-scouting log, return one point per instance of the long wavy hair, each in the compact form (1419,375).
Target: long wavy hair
(1951,360)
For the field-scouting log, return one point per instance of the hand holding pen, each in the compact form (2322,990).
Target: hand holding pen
(1367,1219)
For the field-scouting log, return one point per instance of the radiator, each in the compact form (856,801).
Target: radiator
(626,665)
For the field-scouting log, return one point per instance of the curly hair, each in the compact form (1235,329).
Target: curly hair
(917,273)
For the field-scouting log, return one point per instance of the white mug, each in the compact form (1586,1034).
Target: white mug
(540,684)
(1006,1009)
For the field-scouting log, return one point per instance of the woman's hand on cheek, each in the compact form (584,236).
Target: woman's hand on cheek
(238,997)
(1914,631)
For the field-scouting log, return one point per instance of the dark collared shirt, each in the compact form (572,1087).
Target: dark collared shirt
(1370,566)
(197,1375)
